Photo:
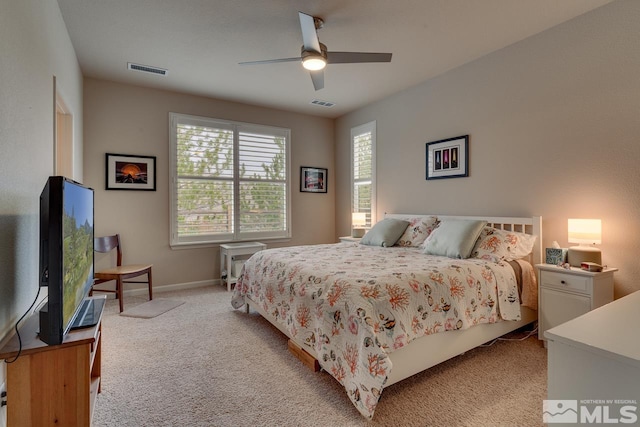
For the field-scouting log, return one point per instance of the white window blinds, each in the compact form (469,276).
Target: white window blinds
(229,181)
(363,170)
(263,183)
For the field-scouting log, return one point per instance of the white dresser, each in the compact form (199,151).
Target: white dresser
(596,357)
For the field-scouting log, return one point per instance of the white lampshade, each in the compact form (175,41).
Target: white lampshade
(358,219)
(585,231)
(358,222)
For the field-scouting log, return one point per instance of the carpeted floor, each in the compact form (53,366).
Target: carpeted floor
(205,364)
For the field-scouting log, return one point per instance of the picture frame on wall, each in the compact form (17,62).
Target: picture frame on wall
(448,158)
(129,172)
(313,180)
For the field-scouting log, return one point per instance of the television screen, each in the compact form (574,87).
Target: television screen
(77,240)
(66,254)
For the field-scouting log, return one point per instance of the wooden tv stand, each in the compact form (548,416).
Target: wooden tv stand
(53,384)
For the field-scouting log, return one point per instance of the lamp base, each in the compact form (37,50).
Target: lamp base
(579,254)
(358,232)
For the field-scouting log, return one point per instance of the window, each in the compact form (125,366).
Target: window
(229,181)
(363,170)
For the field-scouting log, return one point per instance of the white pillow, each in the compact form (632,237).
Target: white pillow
(454,238)
(497,245)
(385,233)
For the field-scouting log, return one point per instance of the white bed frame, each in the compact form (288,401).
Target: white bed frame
(419,354)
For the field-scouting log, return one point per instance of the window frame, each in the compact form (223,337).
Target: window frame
(369,127)
(235,235)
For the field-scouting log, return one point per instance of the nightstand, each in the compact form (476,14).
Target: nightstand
(349,239)
(232,252)
(564,294)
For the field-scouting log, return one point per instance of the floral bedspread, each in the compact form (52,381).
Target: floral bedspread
(355,304)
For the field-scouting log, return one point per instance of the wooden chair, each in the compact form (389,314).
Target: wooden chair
(120,272)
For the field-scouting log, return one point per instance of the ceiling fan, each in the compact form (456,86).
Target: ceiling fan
(314,55)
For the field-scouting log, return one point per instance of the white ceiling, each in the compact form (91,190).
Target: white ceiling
(201,42)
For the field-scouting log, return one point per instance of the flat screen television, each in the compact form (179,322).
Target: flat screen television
(66,257)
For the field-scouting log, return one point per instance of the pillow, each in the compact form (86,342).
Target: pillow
(454,238)
(417,231)
(497,245)
(385,233)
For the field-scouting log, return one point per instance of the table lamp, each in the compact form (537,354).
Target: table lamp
(358,222)
(585,232)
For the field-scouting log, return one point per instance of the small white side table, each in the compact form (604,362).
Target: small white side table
(349,239)
(564,294)
(228,253)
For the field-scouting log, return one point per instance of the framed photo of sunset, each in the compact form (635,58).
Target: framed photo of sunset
(128,172)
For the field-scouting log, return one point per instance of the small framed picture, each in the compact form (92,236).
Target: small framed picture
(127,172)
(448,158)
(313,180)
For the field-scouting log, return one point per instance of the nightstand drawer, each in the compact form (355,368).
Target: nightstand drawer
(565,281)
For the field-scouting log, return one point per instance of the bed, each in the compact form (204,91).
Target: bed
(373,315)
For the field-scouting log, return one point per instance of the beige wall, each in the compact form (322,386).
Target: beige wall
(554,125)
(134,120)
(34,46)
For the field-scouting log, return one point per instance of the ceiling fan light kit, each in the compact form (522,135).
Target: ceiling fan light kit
(314,61)
(314,55)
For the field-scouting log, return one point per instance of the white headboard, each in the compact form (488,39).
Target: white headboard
(529,225)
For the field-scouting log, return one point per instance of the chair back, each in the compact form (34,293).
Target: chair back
(107,244)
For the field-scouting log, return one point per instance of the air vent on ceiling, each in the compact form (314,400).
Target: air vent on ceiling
(147,69)
(323,103)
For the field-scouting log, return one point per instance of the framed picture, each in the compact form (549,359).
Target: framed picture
(126,172)
(448,158)
(313,180)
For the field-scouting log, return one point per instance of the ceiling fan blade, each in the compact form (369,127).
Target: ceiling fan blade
(270,61)
(317,77)
(309,35)
(357,57)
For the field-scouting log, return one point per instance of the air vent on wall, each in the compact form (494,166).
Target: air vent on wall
(323,103)
(147,69)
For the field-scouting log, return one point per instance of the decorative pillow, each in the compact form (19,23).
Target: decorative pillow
(417,231)
(385,233)
(454,238)
(497,245)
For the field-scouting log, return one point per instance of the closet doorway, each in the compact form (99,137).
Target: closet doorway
(63,136)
